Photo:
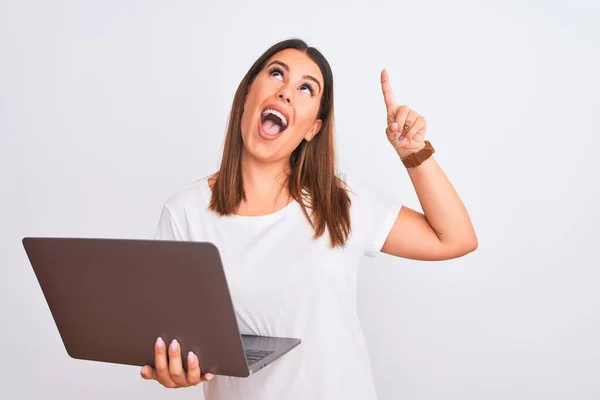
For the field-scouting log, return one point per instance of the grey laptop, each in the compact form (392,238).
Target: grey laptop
(112,298)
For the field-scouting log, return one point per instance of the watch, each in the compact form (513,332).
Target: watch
(415,159)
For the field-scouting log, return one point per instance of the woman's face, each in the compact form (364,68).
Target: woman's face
(290,86)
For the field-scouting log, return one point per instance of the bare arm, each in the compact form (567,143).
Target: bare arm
(444,230)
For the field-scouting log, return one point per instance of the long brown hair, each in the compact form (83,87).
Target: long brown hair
(312,179)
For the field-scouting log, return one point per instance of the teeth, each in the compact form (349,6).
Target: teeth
(278,114)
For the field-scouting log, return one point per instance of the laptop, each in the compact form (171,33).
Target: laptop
(112,298)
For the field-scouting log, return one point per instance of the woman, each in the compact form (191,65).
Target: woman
(291,230)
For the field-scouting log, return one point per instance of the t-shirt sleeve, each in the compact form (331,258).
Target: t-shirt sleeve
(373,214)
(167,226)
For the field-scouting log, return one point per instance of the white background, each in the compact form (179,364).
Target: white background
(108,107)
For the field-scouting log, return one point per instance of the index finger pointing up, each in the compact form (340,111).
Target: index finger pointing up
(388,94)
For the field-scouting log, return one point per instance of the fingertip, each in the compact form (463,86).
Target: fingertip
(191,358)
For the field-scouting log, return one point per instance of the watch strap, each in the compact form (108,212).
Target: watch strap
(415,159)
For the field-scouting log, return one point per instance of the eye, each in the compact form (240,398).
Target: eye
(275,70)
(309,87)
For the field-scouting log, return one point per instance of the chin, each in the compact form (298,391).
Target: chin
(263,150)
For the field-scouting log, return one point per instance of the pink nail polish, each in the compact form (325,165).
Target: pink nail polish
(174,345)
(160,343)
(190,357)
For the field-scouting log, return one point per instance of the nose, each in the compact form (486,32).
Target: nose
(285,95)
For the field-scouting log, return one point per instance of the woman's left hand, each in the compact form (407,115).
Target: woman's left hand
(405,127)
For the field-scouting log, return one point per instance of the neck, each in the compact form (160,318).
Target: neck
(264,184)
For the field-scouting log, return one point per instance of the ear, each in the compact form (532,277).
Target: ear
(314,130)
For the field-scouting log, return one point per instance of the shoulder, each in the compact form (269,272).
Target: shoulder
(183,209)
(372,211)
(194,195)
(360,189)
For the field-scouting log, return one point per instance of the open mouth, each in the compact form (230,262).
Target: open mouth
(273,122)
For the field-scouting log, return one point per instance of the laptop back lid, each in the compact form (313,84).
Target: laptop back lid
(112,298)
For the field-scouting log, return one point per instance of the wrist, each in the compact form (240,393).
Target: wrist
(402,153)
(414,157)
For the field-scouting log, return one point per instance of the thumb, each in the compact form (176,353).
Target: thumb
(392,132)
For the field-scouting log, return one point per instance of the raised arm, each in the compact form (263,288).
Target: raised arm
(444,230)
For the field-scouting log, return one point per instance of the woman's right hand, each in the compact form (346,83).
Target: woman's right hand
(171,374)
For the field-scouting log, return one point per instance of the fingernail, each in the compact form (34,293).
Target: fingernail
(209,377)
(404,140)
(394,127)
(159,343)
(142,371)
(174,345)
(190,357)
(397,136)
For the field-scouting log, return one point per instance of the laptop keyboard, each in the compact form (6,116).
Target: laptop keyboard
(254,356)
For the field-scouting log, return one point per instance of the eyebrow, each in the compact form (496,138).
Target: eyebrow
(310,78)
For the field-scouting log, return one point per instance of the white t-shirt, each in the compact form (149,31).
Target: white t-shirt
(284,283)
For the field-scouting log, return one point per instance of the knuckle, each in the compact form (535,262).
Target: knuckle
(162,372)
(163,375)
(177,375)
